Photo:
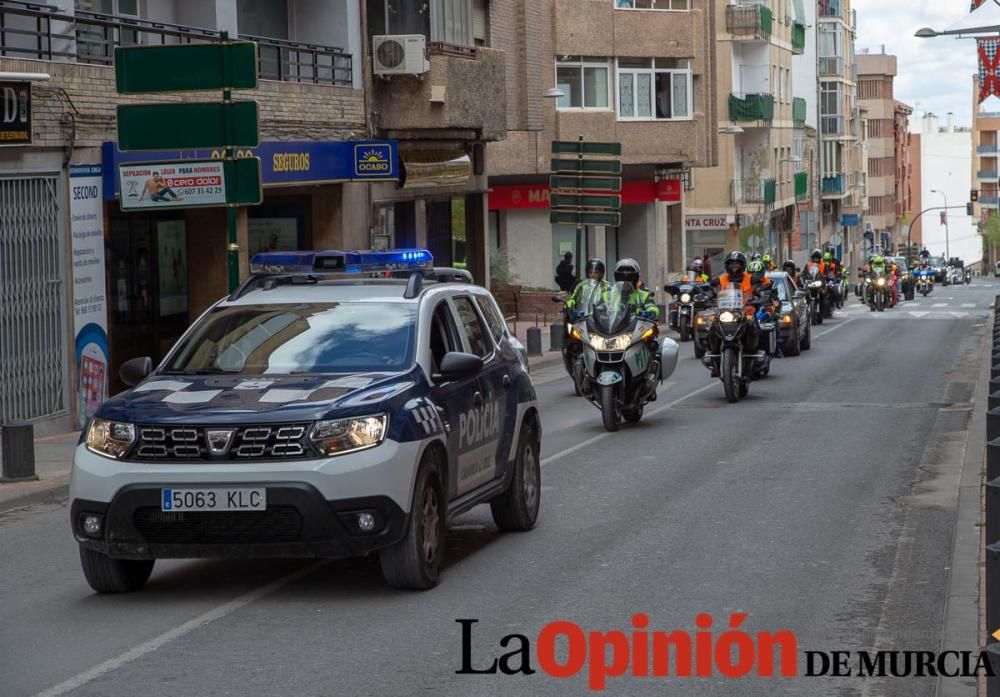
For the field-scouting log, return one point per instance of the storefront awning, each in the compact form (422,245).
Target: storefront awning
(422,169)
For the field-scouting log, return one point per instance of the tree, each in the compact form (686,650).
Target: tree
(991,230)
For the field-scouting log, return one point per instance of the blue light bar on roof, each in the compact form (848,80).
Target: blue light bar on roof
(335,261)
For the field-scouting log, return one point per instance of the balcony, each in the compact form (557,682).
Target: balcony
(42,32)
(835,185)
(833,125)
(989,149)
(991,200)
(799,110)
(801,185)
(754,21)
(753,191)
(751,107)
(798,38)
(986,174)
(830,8)
(831,66)
(462,96)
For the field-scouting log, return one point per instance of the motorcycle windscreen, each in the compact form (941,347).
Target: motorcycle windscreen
(613,314)
(586,295)
(730,298)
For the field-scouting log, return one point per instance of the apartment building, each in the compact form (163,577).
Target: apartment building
(887,131)
(636,72)
(749,200)
(805,138)
(904,170)
(841,150)
(986,142)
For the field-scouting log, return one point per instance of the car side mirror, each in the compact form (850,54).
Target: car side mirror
(135,370)
(459,366)
(799,295)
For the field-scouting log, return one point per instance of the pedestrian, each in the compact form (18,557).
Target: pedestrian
(566,273)
(708,265)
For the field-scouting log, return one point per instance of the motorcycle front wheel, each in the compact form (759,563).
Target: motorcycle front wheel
(683,329)
(610,409)
(578,377)
(730,379)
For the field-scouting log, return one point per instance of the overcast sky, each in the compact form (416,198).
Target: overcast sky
(934,74)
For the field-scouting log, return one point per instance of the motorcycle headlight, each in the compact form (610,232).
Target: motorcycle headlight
(881,281)
(816,284)
(110,438)
(613,343)
(685,297)
(339,436)
(727,317)
(868,280)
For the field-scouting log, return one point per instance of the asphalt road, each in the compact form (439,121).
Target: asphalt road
(824,504)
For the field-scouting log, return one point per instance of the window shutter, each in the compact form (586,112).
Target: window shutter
(479,11)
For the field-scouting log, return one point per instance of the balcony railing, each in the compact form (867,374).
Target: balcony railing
(798,38)
(749,20)
(799,110)
(43,32)
(989,199)
(831,66)
(753,191)
(801,185)
(830,8)
(986,174)
(751,107)
(834,185)
(988,149)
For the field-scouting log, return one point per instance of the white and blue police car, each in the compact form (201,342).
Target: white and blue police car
(335,405)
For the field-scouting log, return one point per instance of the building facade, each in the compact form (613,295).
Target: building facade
(640,73)
(986,163)
(904,171)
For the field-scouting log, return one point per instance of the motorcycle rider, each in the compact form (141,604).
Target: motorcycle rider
(736,274)
(768,263)
(627,272)
(876,265)
(894,280)
(696,272)
(816,261)
(792,271)
(595,275)
(924,271)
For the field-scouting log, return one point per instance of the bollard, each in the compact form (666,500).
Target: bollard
(993,511)
(534,341)
(992,460)
(17,453)
(992,653)
(556,334)
(994,385)
(992,425)
(993,401)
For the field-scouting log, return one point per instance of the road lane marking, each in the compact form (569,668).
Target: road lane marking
(158,642)
(918,315)
(940,305)
(601,436)
(829,331)
(968,304)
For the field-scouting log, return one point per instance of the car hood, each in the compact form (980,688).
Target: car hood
(215,399)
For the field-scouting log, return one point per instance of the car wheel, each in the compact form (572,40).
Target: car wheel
(807,339)
(107,575)
(516,510)
(794,344)
(414,563)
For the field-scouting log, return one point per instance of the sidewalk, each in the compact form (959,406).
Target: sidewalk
(53,458)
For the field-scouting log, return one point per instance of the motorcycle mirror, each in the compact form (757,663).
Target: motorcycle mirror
(557,299)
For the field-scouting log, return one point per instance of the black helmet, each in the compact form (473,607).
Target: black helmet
(595,265)
(736,262)
(627,271)
(788,266)
(757,257)
(816,255)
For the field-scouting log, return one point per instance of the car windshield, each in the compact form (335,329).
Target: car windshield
(900,263)
(302,338)
(937,261)
(779,283)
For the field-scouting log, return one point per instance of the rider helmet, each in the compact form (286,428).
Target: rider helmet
(627,271)
(816,255)
(736,263)
(755,267)
(788,266)
(756,256)
(698,266)
(595,269)
(827,256)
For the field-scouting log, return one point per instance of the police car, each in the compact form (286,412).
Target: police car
(335,405)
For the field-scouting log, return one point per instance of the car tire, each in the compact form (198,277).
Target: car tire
(107,575)
(794,347)
(516,510)
(806,343)
(414,563)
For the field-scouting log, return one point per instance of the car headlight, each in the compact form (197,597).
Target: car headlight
(613,343)
(727,317)
(685,297)
(881,281)
(339,436)
(110,438)
(868,280)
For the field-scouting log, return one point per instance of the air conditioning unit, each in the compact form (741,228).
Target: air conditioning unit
(400,54)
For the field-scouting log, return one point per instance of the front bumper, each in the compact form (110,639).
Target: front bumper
(298,522)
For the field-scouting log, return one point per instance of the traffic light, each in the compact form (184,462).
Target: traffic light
(974,195)
(968,209)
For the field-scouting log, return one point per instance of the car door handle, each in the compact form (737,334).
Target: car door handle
(506,380)
(477,399)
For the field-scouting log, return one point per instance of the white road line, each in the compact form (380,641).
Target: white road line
(830,331)
(155,643)
(940,305)
(968,304)
(601,436)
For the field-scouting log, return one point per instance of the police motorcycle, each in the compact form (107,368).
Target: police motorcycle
(925,282)
(877,289)
(967,276)
(815,286)
(732,357)
(624,359)
(572,348)
(691,298)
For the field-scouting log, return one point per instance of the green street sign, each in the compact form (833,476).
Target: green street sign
(243,182)
(585,201)
(586,183)
(574,147)
(188,126)
(567,218)
(187,67)
(560,166)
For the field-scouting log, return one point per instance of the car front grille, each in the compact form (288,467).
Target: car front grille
(257,442)
(276,524)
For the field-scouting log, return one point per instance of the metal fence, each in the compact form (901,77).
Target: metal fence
(993,506)
(32,343)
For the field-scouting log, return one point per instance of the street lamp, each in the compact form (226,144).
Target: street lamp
(970,29)
(947,248)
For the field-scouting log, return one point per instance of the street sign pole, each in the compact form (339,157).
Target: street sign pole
(232,241)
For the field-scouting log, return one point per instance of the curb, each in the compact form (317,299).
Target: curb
(48,490)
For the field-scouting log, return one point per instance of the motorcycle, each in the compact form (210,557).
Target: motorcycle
(877,290)
(832,297)
(572,349)
(817,289)
(968,276)
(691,299)
(729,339)
(624,359)
(924,285)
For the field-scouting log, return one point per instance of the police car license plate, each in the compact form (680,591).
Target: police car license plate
(214,499)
